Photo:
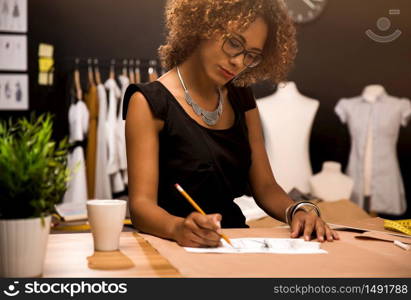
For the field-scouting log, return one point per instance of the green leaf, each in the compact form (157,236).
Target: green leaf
(33,167)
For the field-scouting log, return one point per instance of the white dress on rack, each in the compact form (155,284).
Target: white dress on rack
(121,130)
(78,126)
(113,164)
(102,185)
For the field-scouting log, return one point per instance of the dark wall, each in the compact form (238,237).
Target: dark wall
(104,29)
(335,58)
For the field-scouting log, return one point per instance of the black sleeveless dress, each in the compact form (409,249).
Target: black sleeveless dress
(211,165)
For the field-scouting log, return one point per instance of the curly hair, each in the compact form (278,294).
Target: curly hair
(189,21)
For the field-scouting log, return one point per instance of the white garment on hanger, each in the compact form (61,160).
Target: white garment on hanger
(102,185)
(121,130)
(287,118)
(78,125)
(113,164)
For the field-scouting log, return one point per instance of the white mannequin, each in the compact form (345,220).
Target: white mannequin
(374,120)
(287,118)
(370,94)
(331,184)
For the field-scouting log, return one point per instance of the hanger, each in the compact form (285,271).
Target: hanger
(131,71)
(77,84)
(90,72)
(137,72)
(97,71)
(112,69)
(152,72)
(125,68)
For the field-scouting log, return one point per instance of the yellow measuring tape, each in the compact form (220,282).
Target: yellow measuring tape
(403,226)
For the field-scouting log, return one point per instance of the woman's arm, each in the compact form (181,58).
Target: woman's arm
(142,130)
(142,158)
(269,195)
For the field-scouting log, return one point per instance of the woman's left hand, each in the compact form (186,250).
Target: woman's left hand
(306,223)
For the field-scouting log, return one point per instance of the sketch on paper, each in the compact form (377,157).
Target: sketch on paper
(14,90)
(264,245)
(13,49)
(13,15)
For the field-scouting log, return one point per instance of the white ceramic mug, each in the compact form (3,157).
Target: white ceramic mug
(106,219)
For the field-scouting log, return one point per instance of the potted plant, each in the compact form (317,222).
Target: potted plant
(33,178)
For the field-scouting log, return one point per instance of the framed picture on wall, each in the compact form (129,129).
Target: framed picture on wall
(13,49)
(13,15)
(14,92)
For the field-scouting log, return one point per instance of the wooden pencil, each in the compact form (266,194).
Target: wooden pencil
(198,208)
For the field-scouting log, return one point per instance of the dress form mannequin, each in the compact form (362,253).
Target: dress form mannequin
(374,119)
(370,94)
(287,118)
(331,184)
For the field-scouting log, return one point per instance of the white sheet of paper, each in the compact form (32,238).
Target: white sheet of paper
(14,92)
(13,49)
(264,245)
(13,15)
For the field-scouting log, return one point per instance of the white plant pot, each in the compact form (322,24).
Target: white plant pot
(23,245)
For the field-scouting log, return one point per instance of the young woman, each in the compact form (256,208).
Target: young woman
(198,124)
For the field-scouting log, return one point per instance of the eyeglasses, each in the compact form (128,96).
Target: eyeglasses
(234,47)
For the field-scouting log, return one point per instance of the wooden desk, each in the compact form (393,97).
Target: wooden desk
(341,212)
(72,255)
(67,256)
(348,257)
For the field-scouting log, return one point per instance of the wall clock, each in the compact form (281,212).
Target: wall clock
(303,11)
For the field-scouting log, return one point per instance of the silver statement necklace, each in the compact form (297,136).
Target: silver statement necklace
(209,117)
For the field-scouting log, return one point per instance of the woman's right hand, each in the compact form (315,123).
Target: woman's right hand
(198,230)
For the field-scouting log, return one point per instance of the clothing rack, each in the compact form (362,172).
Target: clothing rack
(82,65)
(107,63)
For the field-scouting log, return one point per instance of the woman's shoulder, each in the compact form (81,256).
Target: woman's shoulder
(153,93)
